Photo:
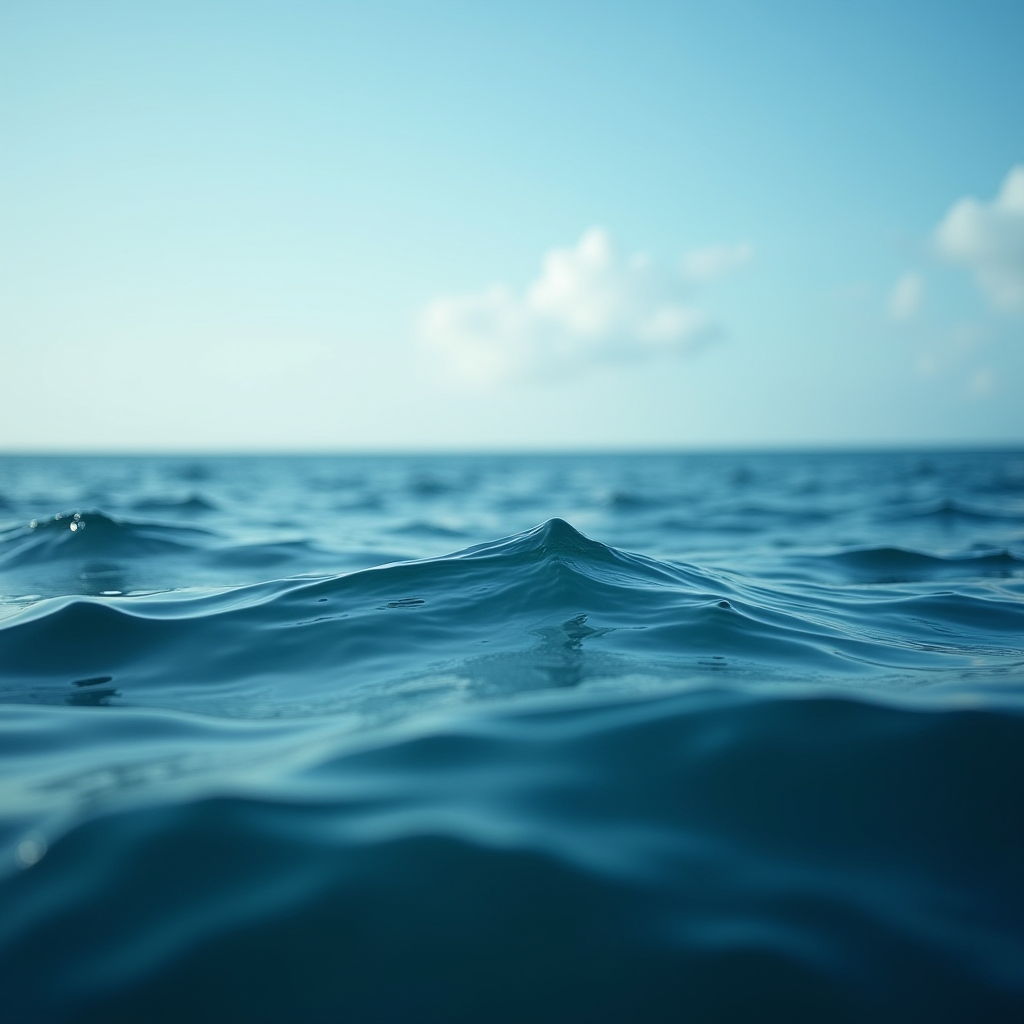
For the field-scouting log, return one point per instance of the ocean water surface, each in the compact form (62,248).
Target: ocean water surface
(730,737)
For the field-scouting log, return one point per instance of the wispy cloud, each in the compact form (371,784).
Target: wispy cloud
(906,296)
(988,238)
(589,304)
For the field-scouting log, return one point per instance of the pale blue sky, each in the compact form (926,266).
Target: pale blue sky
(274,225)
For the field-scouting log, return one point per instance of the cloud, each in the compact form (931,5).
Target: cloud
(988,238)
(905,297)
(589,304)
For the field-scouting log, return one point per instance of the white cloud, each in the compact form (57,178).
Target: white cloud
(905,297)
(709,264)
(988,238)
(589,304)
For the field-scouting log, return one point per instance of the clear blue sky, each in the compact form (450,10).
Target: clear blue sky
(312,225)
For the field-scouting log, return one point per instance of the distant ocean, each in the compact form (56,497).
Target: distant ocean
(545,738)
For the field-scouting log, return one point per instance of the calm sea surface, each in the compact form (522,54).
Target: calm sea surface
(733,737)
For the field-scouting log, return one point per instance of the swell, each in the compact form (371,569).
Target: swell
(950,510)
(547,608)
(89,533)
(898,565)
(541,778)
(93,553)
(704,855)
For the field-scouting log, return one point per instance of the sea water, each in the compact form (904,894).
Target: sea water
(667,737)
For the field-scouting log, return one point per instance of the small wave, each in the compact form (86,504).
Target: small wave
(712,525)
(549,608)
(195,471)
(359,503)
(425,528)
(951,511)
(633,501)
(192,505)
(92,534)
(896,565)
(265,555)
(429,486)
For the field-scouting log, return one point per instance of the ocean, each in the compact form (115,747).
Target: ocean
(512,738)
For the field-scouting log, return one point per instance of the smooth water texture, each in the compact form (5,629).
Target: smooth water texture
(731,737)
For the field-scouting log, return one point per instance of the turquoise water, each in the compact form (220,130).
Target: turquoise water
(474,738)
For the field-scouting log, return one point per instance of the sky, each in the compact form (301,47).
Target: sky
(510,226)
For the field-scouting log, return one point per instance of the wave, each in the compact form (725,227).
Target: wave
(425,528)
(948,510)
(546,609)
(193,504)
(92,552)
(634,501)
(539,778)
(898,565)
(89,533)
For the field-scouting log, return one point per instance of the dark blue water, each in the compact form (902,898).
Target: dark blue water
(559,738)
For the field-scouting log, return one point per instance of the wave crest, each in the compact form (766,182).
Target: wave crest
(549,608)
